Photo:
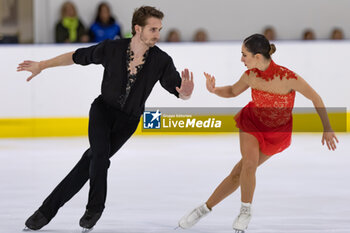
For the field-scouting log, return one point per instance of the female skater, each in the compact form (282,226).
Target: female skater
(265,123)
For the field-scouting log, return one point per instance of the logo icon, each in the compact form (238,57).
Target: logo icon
(151,120)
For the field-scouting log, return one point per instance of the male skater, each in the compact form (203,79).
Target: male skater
(131,69)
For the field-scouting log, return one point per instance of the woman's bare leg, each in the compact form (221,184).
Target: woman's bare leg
(230,183)
(226,187)
(250,161)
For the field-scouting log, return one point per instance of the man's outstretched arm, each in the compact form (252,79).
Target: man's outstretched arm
(36,67)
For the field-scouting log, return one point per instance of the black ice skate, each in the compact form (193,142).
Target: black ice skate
(89,219)
(36,221)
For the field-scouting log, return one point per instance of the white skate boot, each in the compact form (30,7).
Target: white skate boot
(194,216)
(241,222)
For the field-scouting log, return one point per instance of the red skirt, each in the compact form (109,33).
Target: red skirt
(271,140)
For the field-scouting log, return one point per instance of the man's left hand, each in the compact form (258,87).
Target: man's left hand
(187,85)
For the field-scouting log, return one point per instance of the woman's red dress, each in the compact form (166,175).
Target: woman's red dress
(268,116)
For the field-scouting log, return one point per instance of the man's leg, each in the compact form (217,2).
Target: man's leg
(71,184)
(99,165)
(67,188)
(64,191)
(121,132)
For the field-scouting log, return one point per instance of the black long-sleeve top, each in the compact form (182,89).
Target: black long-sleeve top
(112,55)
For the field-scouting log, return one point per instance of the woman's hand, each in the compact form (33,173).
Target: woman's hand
(210,82)
(330,139)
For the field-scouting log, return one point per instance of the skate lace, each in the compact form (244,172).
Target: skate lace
(244,211)
(199,212)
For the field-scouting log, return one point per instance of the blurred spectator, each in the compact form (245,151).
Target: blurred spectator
(269,33)
(8,39)
(128,35)
(309,35)
(105,26)
(337,34)
(70,29)
(200,36)
(173,36)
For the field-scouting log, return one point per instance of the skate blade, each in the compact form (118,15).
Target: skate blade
(239,231)
(26,229)
(86,230)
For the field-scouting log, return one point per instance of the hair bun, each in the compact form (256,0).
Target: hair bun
(272,49)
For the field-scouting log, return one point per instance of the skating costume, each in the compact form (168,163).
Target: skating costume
(268,116)
(114,116)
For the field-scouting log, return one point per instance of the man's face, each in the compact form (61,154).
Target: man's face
(150,32)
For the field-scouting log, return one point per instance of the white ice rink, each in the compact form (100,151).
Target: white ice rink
(153,181)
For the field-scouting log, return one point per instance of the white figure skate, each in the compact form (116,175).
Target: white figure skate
(241,222)
(194,216)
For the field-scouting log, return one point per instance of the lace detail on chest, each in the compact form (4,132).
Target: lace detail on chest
(130,57)
(131,77)
(272,109)
(273,71)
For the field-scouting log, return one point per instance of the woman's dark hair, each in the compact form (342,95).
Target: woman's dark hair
(258,43)
(98,19)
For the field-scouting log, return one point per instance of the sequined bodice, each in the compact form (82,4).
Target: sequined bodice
(273,109)
(265,99)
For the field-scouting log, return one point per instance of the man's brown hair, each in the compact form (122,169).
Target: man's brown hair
(141,15)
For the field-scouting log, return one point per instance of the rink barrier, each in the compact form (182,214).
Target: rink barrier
(66,127)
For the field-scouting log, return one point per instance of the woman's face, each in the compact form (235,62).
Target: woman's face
(337,35)
(104,14)
(248,58)
(174,37)
(69,10)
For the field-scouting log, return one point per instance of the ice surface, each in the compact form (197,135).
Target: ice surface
(154,181)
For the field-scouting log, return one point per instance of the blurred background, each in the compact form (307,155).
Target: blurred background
(35,21)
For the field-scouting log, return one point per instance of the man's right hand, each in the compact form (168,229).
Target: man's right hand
(31,66)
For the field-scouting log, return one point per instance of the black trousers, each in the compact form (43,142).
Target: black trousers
(109,129)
